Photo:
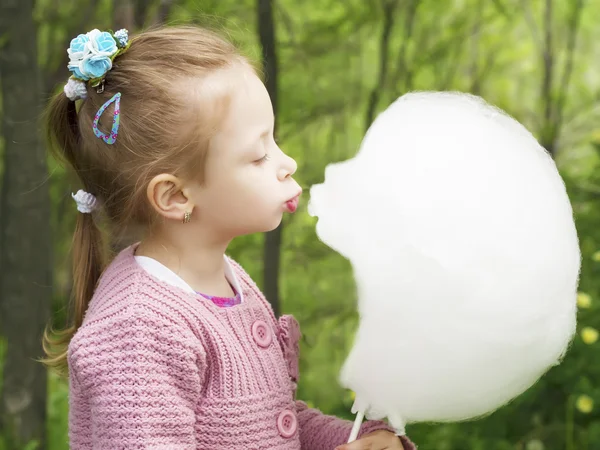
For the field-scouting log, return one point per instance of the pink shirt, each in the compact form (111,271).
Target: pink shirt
(152,367)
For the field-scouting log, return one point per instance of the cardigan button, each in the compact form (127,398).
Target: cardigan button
(262,334)
(287,424)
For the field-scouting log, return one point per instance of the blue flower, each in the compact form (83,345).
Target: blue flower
(122,36)
(76,53)
(105,43)
(96,67)
(78,44)
(77,72)
(90,54)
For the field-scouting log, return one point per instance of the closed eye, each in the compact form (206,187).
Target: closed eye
(263,159)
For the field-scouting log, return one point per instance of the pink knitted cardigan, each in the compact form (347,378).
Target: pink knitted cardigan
(154,367)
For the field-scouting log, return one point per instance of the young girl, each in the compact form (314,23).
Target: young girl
(173,346)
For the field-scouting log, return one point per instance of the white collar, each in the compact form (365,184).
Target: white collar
(163,273)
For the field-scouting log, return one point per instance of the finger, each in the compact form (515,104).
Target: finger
(360,444)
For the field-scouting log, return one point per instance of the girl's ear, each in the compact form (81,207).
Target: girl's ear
(166,196)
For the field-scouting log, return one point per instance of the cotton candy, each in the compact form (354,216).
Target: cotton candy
(465,256)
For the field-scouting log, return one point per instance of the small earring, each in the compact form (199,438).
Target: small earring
(187,216)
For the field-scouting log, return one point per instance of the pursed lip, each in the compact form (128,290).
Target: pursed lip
(297,195)
(292,204)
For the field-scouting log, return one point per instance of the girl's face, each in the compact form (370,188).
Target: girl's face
(248,181)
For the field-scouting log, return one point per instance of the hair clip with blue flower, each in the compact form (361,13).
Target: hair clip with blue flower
(91,56)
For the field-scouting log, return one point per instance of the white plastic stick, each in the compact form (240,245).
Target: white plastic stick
(356,428)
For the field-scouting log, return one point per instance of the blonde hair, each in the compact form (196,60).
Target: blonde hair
(161,131)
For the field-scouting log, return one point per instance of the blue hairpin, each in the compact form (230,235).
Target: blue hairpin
(112,137)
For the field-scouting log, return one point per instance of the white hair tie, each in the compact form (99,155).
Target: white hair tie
(86,202)
(75,89)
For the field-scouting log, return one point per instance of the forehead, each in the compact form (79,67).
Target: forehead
(249,110)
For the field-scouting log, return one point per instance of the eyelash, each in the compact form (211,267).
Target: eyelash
(266,157)
(263,159)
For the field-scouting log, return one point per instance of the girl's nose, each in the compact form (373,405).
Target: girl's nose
(288,167)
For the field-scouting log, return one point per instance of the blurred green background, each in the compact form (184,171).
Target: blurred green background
(332,65)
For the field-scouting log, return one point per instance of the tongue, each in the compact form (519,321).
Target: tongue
(292,204)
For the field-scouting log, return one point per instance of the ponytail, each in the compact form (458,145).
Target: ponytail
(88,252)
(88,264)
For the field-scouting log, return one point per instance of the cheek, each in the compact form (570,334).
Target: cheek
(256,185)
(245,196)
(227,183)
(250,212)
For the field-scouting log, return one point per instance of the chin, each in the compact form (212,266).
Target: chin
(265,226)
(273,224)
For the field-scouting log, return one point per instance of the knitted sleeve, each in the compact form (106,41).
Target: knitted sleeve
(319,431)
(135,380)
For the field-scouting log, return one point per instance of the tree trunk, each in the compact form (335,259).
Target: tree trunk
(389,8)
(124,15)
(164,9)
(272,246)
(25,261)
(548,132)
(475,50)
(60,74)
(140,13)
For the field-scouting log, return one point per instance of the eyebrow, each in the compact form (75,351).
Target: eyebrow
(264,133)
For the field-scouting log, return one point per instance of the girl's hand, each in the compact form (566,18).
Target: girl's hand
(377,440)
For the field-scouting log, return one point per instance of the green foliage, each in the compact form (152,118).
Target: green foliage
(58,404)
(7,443)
